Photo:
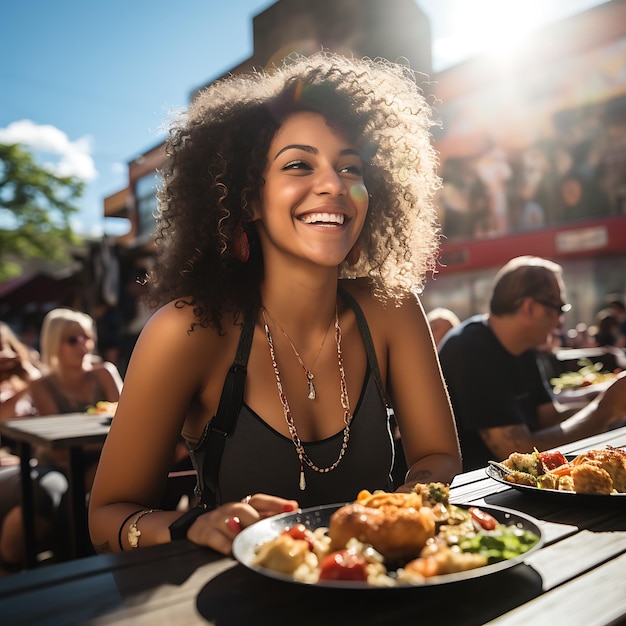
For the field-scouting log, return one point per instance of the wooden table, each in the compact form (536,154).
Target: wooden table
(71,432)
(577,578)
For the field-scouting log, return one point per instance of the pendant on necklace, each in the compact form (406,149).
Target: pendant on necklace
(302,479)
(309,378)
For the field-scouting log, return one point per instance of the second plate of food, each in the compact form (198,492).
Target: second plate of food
(612,461)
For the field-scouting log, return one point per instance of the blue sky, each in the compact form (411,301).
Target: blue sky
(87,86)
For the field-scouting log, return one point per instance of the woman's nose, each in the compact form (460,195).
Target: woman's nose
(329,182)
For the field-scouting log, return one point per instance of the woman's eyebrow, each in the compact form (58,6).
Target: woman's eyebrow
(296,146)
(313,150)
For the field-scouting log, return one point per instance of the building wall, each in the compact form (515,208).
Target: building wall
(540,144)
(533,161)
(392,29)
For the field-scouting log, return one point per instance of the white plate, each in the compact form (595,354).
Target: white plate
(564,496)
(247,541)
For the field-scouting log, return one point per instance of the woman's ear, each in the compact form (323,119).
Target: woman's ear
(255,205)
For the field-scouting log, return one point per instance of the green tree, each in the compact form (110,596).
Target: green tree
(35,210)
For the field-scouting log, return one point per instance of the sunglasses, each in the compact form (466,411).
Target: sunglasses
(559,308)
(76,339)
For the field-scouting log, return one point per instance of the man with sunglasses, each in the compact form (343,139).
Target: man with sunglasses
(500,399)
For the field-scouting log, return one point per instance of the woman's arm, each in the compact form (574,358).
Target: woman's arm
(169,372)
(418,393)
(110,380)
(10,399)
(160,383)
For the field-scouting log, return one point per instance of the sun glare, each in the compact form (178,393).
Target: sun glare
(493,27)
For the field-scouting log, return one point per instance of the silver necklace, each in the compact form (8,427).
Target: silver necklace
(345,403)
(307,372)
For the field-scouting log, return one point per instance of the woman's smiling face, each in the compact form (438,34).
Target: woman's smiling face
(313,203)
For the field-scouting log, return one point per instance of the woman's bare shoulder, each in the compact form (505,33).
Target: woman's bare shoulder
(374,307)
(174,320)
(174,332)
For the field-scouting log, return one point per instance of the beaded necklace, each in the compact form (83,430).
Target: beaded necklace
(345,403)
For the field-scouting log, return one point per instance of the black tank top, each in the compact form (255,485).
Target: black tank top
(258,459)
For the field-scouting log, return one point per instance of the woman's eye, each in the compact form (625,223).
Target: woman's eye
(355,170)
(296,165)
(351,170)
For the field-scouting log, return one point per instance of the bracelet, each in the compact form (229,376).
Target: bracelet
(119,535)
(133,532)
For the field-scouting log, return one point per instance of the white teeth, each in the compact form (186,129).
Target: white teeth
(324,218)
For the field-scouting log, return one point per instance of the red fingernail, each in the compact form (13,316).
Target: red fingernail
(288,508)
(234,524)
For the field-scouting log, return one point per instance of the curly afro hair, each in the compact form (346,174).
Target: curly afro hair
(216,153)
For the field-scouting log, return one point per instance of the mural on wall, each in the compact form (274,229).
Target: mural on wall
(538,150)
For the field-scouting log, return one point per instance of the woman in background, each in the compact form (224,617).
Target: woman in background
(74,381)
(441,320)
(18,366)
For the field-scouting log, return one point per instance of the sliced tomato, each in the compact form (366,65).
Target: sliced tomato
(343,565)
(300,531)
(551,460)
(486,521)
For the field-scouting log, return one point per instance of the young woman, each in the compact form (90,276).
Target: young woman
(296,224)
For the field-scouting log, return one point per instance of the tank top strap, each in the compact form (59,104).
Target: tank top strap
(367,341)
(223,423)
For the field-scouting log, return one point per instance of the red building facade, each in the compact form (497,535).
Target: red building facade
(533,161)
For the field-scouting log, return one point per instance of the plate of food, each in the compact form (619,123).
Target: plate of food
(596,475)
(388,540)
(590,377)
(106,409)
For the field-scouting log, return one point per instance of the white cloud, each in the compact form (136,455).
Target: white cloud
(119,168)
(73,157)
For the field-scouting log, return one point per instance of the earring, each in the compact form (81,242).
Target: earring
(354,255)
(241,245)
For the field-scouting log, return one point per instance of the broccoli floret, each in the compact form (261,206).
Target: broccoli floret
(433,493)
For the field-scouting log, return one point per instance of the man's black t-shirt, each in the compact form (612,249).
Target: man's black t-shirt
(488,386)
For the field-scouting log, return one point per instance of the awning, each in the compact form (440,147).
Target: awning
(37,288)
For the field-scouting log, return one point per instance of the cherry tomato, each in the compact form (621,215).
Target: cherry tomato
(343,565)
(552,460)
(300,531)
(485,520)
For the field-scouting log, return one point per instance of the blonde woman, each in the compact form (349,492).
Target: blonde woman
(75,380)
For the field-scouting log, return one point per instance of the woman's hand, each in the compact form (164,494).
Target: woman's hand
(218,528)
(10,365)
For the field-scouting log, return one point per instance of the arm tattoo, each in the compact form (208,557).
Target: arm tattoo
(103,548)
(420,476)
